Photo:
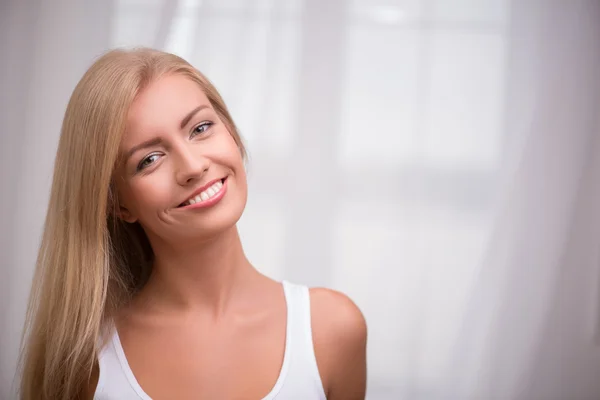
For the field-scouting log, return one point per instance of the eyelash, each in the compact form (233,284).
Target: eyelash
(204,125)
(141,166)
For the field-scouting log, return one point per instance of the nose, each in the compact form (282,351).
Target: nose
(190,166)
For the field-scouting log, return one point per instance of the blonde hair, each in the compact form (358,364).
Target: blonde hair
(89,261)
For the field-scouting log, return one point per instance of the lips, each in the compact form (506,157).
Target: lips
(205,193)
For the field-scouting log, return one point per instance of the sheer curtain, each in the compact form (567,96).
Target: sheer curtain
(437,160)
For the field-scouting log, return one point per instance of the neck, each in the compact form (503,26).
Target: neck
(202,275)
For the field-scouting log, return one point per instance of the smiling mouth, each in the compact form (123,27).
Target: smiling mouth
(206,194)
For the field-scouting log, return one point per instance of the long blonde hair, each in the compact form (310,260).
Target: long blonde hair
(89,261)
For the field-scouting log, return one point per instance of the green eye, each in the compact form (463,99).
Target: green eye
(201,128)
(147,161)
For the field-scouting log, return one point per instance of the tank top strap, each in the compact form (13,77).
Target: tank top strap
(303,366)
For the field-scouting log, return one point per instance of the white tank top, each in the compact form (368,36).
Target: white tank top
(298,378)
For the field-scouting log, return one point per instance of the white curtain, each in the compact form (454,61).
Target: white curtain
(437,160)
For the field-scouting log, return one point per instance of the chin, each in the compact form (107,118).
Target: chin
(214,228)
(213,222)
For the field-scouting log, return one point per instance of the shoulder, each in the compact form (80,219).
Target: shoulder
(336,313)
(339,338)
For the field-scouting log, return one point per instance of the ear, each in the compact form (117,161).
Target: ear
(126,215)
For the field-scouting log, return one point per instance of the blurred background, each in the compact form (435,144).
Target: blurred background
(436,160)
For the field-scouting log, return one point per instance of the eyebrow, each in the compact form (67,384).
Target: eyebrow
(189,115)
(148,143)
(156,141)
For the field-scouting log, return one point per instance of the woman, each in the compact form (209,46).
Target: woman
(142,289)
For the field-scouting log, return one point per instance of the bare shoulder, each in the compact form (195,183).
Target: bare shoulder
(339,337)
(336,313)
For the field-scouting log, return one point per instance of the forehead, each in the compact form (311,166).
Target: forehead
(163,103)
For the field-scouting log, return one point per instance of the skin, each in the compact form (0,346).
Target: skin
(222,321)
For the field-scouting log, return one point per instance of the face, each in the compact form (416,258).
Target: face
(182,176)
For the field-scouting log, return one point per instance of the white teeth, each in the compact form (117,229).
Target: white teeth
(207,194)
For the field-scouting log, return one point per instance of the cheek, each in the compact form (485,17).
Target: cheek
(231,152)
(225,152)
(148,194)
(239,169)
(241,182)
(231,158)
